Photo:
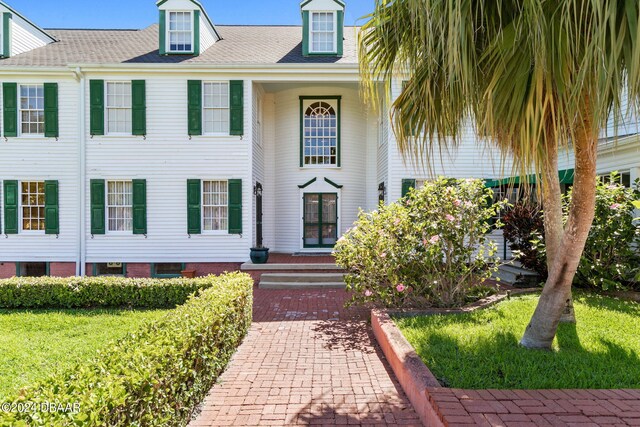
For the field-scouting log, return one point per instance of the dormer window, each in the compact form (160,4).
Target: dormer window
(323,32)
(180,32)
(322,27)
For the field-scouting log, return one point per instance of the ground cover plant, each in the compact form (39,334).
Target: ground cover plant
(429,248)
(37,343)
(480,350)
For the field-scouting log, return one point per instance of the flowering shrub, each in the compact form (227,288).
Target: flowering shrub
(610,259)
(429,248)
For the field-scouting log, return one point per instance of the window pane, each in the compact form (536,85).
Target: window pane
(320,120)
(119,205)
(32,201)
(32,109)
(214,205)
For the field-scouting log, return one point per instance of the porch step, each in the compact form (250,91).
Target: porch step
(249,266)
(302,281)
(516,275)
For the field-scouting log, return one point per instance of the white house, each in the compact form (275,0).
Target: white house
(145,152)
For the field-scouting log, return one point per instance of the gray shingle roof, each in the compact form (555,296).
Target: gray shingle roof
(239,45)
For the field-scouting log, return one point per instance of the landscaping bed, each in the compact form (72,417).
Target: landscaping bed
(37,343)
(154,375)
(479,350)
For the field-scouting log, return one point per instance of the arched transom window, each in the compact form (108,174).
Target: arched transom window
(320,134)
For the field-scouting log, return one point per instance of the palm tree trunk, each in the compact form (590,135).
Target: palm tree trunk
(552,205)
(557,291)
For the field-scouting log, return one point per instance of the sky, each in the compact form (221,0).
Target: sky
(132,14)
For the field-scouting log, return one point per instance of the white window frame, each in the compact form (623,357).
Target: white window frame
(228,108)
(20,110)
(335,31)
(107,205)
(2,35)
(202,207)
(168,29)
(106,108)
(333,103)
(21,205)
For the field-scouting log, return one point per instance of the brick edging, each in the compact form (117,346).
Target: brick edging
(411,372)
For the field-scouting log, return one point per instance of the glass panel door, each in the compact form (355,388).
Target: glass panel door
(320,220)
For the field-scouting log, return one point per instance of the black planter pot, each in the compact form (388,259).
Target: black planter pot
(259,255)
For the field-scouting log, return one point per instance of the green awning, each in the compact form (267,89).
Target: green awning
(566,177)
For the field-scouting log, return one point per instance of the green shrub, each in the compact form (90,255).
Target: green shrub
(610,259)
(156,376)
(429,248)
(97,292)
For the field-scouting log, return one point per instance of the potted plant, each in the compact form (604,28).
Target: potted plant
(259,254)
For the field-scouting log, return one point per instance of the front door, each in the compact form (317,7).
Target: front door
(320,220)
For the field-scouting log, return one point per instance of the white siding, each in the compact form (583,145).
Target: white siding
(166,159)
(39,159)
(287,173)
(472,158)
(383,149)
(207,34)
(269,184)
(24,36)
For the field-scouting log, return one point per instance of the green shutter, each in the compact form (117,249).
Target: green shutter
(10,103)
(97,206)
(194,91)
(11,196)
(193,206)
(139,206)
(51,211)
(305,33)
(196,32)
(236,107)
(340,35)
(138,107)
(96,102)
(235,206)
(163,33)
(406,185)
(51,110)
(6,35)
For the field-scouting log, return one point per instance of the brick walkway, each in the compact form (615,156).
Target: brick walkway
(536,407)
(306,361)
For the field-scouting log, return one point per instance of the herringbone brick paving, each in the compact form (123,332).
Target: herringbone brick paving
(306,361)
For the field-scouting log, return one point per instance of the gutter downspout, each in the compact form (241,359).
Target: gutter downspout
(82,174)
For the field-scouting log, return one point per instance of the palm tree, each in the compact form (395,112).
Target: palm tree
(533,76)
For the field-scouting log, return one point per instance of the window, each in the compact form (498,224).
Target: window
(32,269)
(420,183)
(180,32)
(110,269)
(32,109)
(119,206)
(216,107)
(320,134)
(118,107)
(32,205)
(167,269)
(623,178)
(214,205)
(323,32)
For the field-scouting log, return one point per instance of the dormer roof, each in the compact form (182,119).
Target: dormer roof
(19,34)
(199,7)
(304,3)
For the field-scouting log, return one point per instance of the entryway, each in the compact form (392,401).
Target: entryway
(320,227)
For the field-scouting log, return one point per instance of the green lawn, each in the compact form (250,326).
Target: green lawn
(35,343)
(480,349)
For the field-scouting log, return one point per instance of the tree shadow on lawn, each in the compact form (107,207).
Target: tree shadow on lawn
(498,361)
(608,302)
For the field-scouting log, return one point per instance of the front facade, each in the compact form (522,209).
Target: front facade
(183,145)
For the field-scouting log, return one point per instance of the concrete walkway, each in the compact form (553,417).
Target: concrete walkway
(306,361)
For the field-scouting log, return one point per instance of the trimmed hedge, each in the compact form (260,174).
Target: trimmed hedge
(97,292)
(156,376)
